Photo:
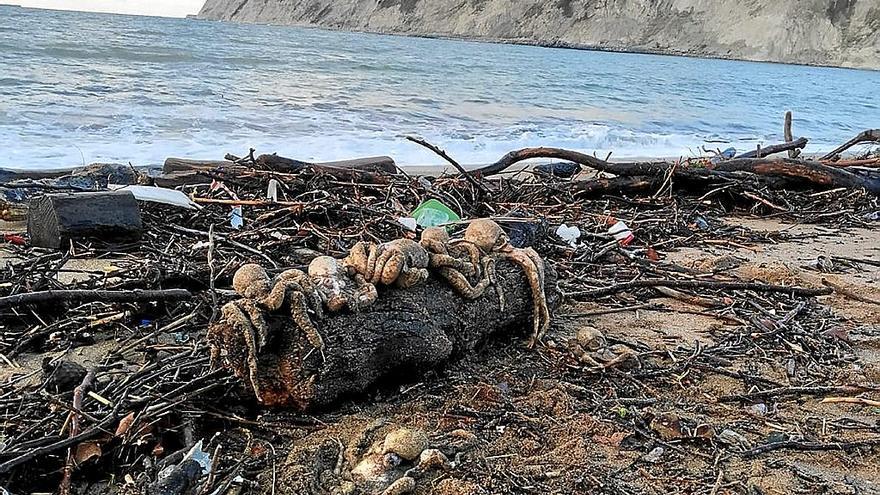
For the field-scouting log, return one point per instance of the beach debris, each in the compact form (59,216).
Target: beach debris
(236,217)
(432,213)
(156,389)
(563,170)
(54,220)
(409,223)
(272,190)
(569,234)
(655,455)
(621,232)
(62,375)
(161,195)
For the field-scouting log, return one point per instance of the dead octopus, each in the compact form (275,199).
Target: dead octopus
(446,259)
(402,262)
(324,285)
(491,240)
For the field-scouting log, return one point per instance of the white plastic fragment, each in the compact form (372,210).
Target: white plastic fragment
(197,454)
(569,234)
(272,190)
(408,222)
(158,195)
(236,217)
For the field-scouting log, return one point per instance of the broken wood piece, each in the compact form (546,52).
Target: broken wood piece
(363,169)
(789,136)
(851,400)
(701,301)
(110,216)
(383,164)
(406,332)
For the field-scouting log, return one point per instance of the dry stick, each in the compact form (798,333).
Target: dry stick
(810,446)
(851,400)
(776,148)
(88,295)
(78,393)
(866,136)
(797,391)
(226,240)
(843,291)
(449,159)
(701,301)
(707,284)
(249,202)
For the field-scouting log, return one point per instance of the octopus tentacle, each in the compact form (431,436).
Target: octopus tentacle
(472,251)
(449,261)
(411,276)
(539,300)
(233,314)
(461,285)
(298,311)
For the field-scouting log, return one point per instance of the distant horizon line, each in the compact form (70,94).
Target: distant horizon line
(24,7)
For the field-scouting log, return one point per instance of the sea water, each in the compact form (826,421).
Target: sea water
(79,88)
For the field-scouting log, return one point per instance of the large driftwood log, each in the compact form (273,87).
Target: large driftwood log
(405,333)
(697,171)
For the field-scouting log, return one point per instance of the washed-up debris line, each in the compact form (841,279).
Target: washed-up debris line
(149,408)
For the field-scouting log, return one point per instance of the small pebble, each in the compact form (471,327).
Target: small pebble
(654,455)
(758,409)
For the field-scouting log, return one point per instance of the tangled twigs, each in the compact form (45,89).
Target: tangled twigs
(86,295)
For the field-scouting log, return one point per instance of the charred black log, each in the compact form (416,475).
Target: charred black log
(405,333)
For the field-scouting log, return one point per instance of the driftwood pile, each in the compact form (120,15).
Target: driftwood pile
(122,387)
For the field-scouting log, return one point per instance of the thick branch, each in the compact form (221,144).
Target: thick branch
(866,136)
(811,171)
(776,148)
(86,295)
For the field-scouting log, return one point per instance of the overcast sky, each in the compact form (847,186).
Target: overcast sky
(168,8)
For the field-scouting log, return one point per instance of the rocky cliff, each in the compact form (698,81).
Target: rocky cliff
(824,32)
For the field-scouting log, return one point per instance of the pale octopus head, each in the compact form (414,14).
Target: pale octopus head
(251,281)
(436,234)
(486,235)
(324,267)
